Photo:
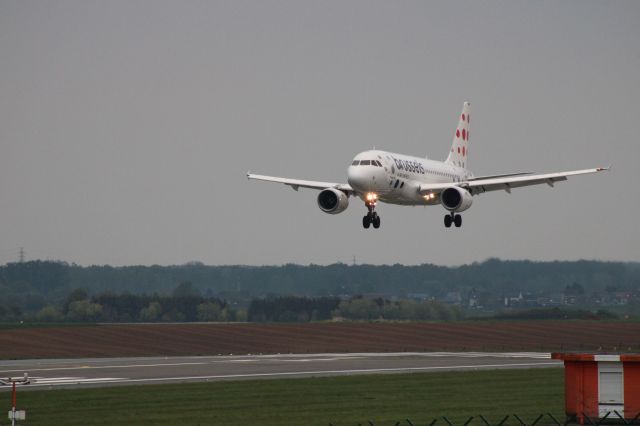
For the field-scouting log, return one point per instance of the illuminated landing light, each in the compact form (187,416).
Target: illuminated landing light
(371,197)
(430,196)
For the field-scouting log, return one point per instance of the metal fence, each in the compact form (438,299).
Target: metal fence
(545,419)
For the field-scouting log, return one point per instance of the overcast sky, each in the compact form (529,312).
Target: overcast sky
(127,127)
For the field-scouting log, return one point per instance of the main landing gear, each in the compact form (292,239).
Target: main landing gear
(372,217)
(456,219)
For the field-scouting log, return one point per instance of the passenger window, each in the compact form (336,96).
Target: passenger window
(365,162)
(355,162)
(402,184)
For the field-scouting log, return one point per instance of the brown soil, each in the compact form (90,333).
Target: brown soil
(213,339)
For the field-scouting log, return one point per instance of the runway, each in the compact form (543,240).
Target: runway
(94,372)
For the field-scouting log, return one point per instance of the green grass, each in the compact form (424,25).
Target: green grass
(383,399)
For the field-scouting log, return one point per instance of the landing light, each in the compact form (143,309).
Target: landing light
(371,196)
(430,196)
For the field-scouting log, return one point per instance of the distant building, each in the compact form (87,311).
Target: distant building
(620,298)
(511,301)
(473,302)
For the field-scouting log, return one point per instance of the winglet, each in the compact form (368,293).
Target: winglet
(248,174)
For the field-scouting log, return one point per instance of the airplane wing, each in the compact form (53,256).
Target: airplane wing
(480,185)
(500,176)
(298,183)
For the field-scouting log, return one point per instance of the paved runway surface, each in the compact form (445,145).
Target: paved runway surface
(64,373)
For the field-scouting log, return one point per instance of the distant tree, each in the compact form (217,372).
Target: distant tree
(442,312)
(359,309)
(173,316)
(210,311)
(76,295)
(151,313)
(424,311)
(391,311)
(186,289)
(14,312)
(84,310)
(49,314)
(241,315)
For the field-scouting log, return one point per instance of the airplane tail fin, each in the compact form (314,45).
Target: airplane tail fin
(459,154)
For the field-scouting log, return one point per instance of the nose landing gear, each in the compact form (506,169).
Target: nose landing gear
(456,219)
(372,217)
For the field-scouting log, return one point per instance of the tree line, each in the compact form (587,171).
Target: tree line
(27,288)
(184,305)
(303,309)
(188,307)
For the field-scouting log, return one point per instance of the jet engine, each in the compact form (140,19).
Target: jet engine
(332,201)
(456,199)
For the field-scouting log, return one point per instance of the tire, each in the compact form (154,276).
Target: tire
(366,222)
(447,221)
(376,222)
(458,221)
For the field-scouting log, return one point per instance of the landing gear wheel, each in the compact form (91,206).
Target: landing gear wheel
(376,222)
(366,221)
(457,219)
(447,221)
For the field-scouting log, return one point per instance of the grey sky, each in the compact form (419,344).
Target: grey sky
(126,127)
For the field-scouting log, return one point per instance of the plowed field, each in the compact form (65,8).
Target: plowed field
(212,339)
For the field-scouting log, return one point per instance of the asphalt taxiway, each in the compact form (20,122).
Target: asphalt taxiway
(93,372)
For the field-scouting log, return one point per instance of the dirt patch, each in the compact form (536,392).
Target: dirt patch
(213,339)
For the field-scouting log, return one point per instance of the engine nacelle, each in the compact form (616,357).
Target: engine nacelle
(456,199)
(333,201)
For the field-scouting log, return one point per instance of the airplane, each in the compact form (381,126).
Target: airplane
(380,176)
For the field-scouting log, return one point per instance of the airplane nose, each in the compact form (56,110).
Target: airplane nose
(365,179)
(357,178)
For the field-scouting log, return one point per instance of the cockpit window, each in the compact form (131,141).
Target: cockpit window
(365,162)
(378,163)
(355,162)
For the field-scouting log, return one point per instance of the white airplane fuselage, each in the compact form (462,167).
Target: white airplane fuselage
(398,178)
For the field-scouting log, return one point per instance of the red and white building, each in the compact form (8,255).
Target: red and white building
(597,384)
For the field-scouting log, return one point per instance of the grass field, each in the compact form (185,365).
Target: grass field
(383,399)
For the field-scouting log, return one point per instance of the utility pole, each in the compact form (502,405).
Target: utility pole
(21,255)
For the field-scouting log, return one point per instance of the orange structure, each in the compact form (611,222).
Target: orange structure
(599,385)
